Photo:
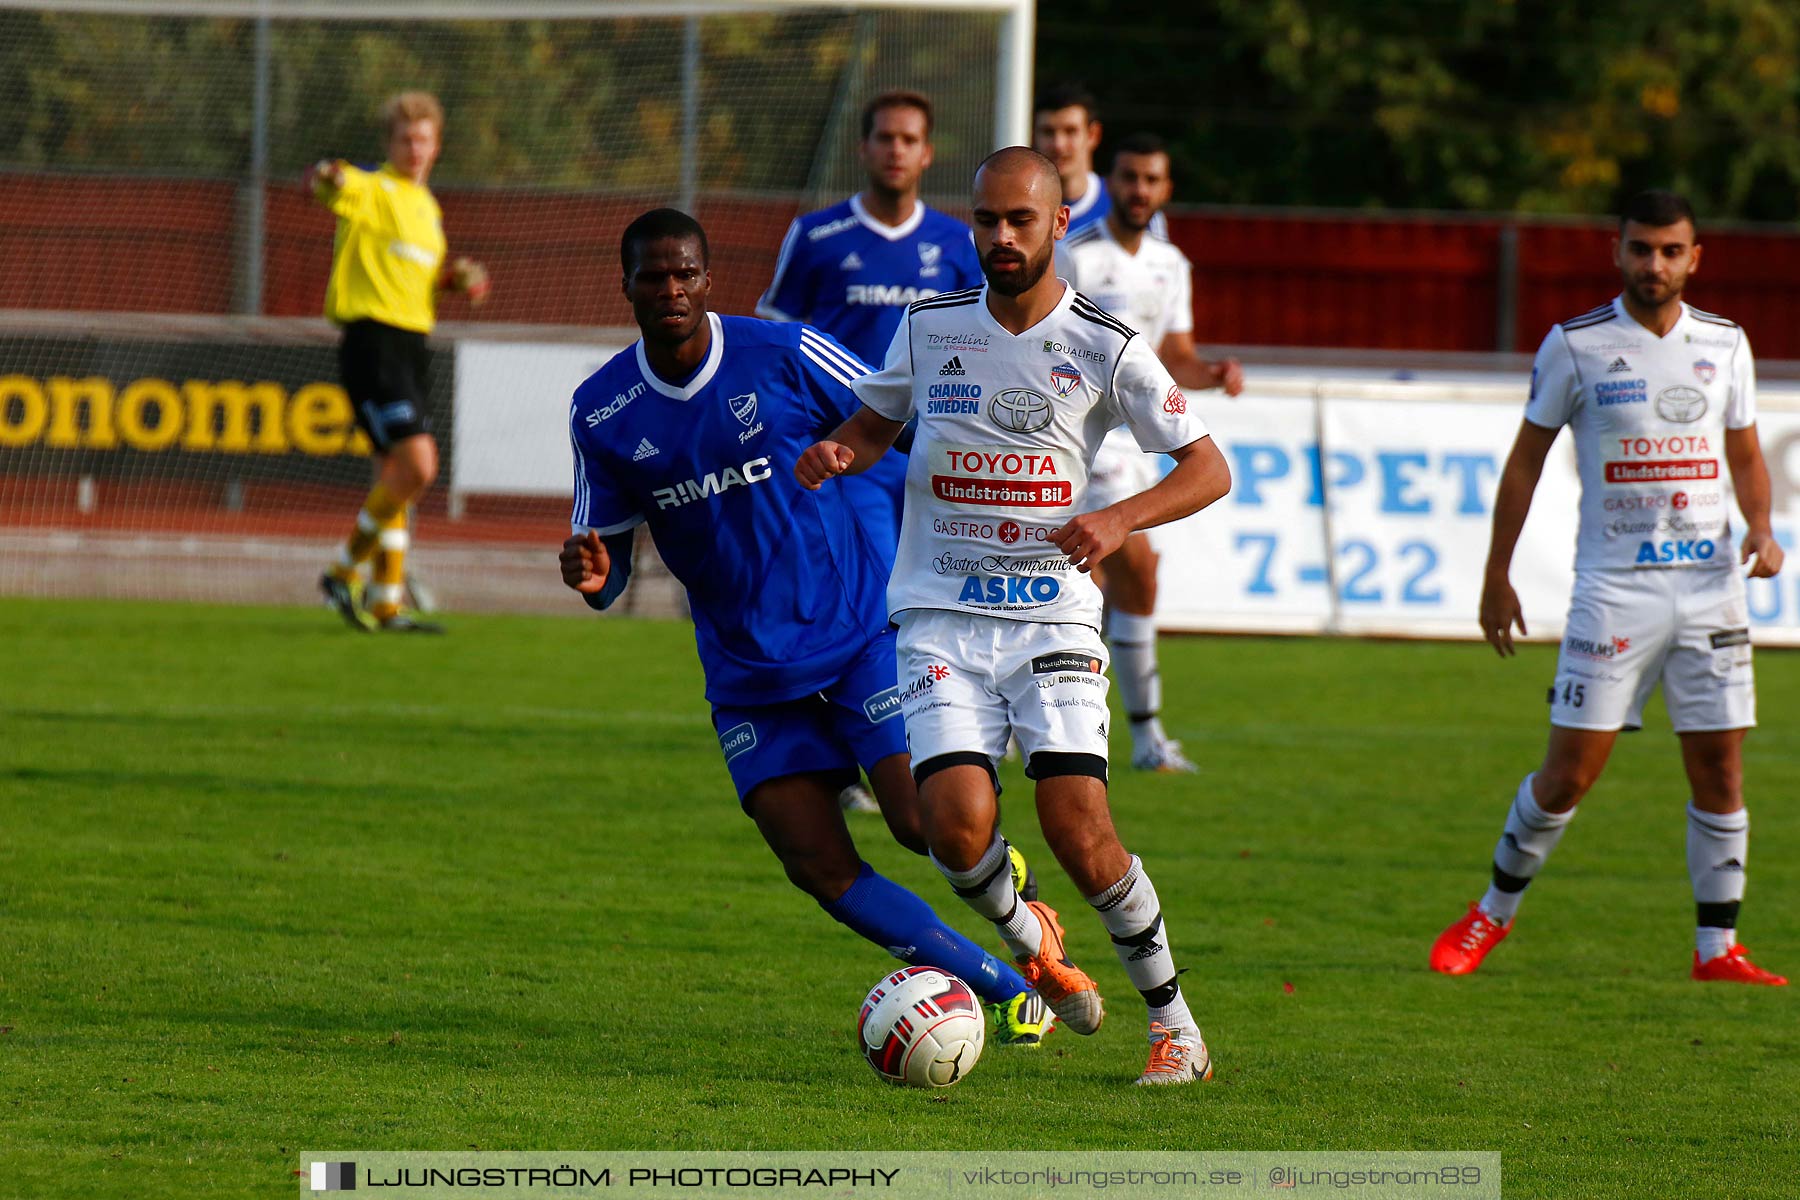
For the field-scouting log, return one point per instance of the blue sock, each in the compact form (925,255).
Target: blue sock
(904,925)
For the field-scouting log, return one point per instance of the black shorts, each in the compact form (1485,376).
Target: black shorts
(385,370)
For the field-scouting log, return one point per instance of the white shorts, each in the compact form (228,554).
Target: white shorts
(969,681)
(1120,470)
(1687,629)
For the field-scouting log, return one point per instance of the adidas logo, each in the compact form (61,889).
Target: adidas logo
(1619,365)
(1143,952)
(851,262)
(644,450)
(1730,864)
(953,367)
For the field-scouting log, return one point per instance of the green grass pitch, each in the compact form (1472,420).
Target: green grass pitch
(265,884)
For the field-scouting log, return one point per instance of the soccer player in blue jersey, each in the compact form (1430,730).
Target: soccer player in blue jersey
(850,270)
(1065,128)
(694,431)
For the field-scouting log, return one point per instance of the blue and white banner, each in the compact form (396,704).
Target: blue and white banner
(1398,480)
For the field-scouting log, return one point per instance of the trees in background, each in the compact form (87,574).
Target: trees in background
(1528,105)
(1494,105)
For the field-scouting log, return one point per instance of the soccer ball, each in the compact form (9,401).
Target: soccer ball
(921,1027)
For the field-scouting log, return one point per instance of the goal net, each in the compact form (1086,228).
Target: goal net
(171,422)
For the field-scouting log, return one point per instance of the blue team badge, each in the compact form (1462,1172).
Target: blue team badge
(1705,371)
(929,255)
(1064,379)
(744,408)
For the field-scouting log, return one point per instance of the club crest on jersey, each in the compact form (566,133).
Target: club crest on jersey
(1704,371)
(929,257)
(1174,403)
(1064,379)
(743,408)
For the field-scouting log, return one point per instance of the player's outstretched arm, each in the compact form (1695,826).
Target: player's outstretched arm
(1750,477)
(1200,477)
(585,562)
(1500,607)
(850,449)
(1191,370)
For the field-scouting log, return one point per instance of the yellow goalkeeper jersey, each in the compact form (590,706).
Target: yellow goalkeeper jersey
(389,249)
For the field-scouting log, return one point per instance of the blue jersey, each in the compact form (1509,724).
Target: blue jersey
(786,586)
(1093,205)
(852,276)
(845,272)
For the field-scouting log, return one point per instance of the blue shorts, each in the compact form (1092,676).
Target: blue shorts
(854,721)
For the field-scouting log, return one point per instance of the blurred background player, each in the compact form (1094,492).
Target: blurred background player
(387,267)
(851,270)
(694,431)
(1066,129)
(1014,647)
(1655,601)
(1138,275)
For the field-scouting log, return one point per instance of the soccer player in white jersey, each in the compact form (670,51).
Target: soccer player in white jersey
(1142,278)
(998,619)
(1658,396)
(850,271)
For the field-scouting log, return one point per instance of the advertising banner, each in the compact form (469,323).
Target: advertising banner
(512,416)
(196,410)
(1398,479)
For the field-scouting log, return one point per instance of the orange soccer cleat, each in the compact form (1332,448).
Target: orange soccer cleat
(1176,1059)
(1734,966)
(1460,948)
(1065,987)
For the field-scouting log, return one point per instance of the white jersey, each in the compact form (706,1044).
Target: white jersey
(1649,417)
(1152,291)
(1007,430)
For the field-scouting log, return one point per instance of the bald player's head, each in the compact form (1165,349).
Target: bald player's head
(1020,160)
(1019,215)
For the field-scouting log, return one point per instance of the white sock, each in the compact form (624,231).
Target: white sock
(1147,734)
(1526,841)
(1175,1017)
(1132,639)
(1133,916)
(1711,941)
(987,887)
(1718,850)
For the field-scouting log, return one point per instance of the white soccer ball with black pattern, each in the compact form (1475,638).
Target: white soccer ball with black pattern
(922,1027)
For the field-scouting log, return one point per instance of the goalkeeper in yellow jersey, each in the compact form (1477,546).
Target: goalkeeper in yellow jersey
(387,266)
